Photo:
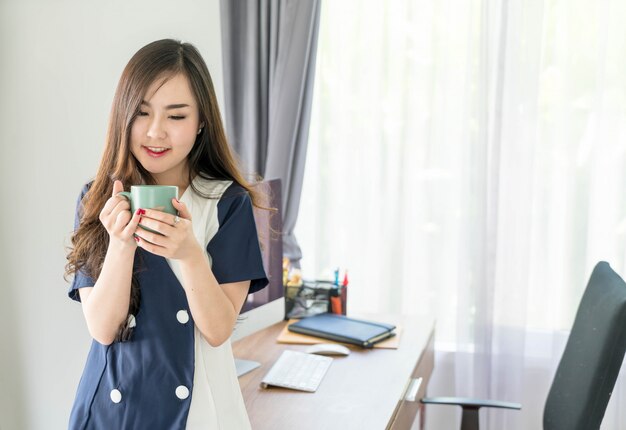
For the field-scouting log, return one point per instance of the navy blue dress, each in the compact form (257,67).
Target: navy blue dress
(147,382)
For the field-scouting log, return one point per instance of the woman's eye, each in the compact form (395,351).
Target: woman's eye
(140,113)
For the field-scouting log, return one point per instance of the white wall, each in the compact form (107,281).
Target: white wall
(60,63)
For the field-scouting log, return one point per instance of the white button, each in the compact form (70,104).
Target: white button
(182,392)
(116,396)
(182,316)
(131,321)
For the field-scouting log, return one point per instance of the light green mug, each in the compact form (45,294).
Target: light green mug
(158,197)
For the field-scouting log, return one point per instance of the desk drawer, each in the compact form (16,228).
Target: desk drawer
(415,390)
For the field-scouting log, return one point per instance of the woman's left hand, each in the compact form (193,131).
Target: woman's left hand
(177,242)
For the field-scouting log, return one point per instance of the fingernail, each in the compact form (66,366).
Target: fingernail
(140,211)
(136,239)
(176,200)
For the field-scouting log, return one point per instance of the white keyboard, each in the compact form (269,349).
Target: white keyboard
(298,371)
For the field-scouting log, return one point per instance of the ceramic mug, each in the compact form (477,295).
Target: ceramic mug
(158,197)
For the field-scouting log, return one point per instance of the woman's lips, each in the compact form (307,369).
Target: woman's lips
(156,154)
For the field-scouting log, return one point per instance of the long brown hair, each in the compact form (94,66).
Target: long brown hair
(210,157)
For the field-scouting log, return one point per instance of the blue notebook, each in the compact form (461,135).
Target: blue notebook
(344,329)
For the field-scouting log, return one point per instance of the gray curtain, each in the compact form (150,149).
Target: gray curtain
(269,49)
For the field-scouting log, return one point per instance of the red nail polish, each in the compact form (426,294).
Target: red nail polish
(140,211)
(136,239)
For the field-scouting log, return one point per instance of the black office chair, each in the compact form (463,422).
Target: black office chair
(588,368)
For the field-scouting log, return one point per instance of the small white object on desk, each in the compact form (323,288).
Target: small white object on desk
(328,349)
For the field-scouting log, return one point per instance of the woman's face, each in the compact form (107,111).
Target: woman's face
(165,129)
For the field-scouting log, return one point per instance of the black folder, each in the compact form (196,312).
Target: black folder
(343,329)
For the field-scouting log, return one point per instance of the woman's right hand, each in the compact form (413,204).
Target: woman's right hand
(117,219)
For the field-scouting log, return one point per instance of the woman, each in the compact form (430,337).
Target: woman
(161,307)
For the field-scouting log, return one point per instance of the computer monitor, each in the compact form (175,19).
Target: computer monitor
(267,306)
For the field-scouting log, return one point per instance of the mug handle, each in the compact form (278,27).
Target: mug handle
(125,194)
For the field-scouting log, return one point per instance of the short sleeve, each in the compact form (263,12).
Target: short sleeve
(234,249)
(80,278)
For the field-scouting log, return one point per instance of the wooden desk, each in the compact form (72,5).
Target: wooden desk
(366,390)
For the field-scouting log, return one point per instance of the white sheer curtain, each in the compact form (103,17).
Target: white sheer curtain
(468,158)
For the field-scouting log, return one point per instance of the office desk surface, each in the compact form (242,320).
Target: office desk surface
(360,391)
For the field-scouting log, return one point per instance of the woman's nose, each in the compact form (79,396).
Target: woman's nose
(156,130)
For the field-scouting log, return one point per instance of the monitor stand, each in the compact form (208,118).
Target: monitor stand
(245,366)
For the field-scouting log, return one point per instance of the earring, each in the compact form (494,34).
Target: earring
(199,130)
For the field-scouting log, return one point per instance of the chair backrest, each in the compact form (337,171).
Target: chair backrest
(593,356)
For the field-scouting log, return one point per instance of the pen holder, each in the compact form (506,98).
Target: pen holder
(338,300)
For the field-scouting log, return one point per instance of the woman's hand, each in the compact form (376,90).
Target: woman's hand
(176,241)
(117,219)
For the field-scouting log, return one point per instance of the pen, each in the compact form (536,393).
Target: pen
(335,299)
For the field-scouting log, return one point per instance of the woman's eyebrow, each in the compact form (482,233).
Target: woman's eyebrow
(175,106)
